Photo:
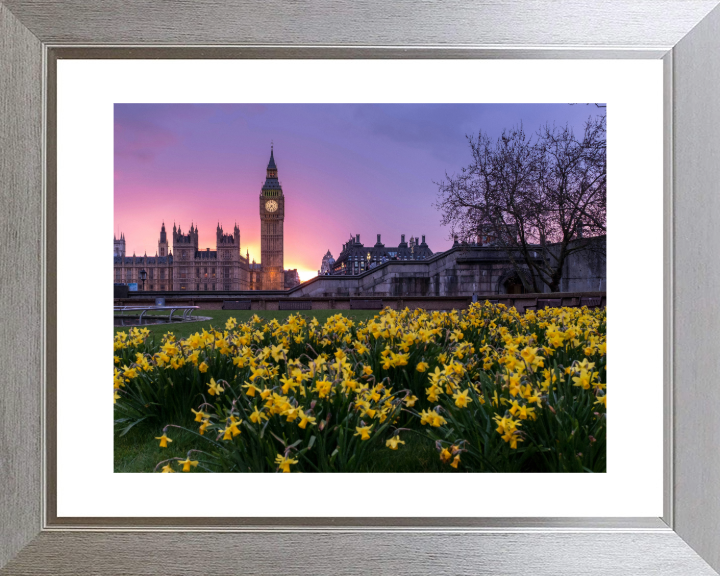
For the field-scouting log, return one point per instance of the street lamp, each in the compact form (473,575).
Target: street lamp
(143,275)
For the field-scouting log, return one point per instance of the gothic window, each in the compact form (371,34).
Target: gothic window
(152,273)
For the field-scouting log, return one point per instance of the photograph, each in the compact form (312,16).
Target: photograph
(384,287)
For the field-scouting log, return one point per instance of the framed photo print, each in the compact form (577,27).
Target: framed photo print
(365,281)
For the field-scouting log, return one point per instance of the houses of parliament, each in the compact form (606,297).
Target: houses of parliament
(184,266)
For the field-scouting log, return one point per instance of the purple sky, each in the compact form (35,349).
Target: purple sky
(345,168)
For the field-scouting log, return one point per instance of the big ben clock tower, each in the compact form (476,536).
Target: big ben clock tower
(272,215)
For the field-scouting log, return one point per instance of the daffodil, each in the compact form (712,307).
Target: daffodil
(251,389)
(199,415)
(583,380)
(305,420)
(167,468)
(323,387)
(204,426)
(288,384)
(278,353)
(445,455)
(462,399)
(231,431)
(284,463)
(436,420)
(256,417)
(422,366)
(163,440)
(187,463)
(129,373)
(393,442)
(214,388)
(410,400)
(363,432)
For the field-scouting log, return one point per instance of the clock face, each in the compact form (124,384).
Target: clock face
(271,205)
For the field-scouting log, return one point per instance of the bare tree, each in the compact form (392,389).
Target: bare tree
(540,198)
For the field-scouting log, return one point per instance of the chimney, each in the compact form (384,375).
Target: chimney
(402,238)
(357,239)
(378,239)
(423,239)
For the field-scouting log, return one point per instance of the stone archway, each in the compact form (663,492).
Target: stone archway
(511,283)
(514,285)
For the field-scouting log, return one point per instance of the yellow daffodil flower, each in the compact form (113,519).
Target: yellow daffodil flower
(203,426)
(393,442)
(256,417)
(163,440)
(214,388)
(462,399)
(199,415)
(363,432)
(284,463)
(305,420)
(410,401)
(187,463)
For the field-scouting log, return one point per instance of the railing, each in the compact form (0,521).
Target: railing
(187,310)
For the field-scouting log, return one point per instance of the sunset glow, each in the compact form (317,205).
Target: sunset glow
(344,169)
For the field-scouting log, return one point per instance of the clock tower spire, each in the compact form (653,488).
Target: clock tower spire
(272,216)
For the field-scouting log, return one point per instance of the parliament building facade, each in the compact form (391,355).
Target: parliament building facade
(185,266)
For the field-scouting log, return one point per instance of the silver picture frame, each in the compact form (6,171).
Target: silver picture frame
(685,34)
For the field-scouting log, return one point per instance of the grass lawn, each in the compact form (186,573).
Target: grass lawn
(219,317)
(139,451)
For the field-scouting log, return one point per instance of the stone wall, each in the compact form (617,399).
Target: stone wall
(207,301)
(586,270)
(461,271)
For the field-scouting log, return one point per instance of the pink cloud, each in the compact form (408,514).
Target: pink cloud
(141,140)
